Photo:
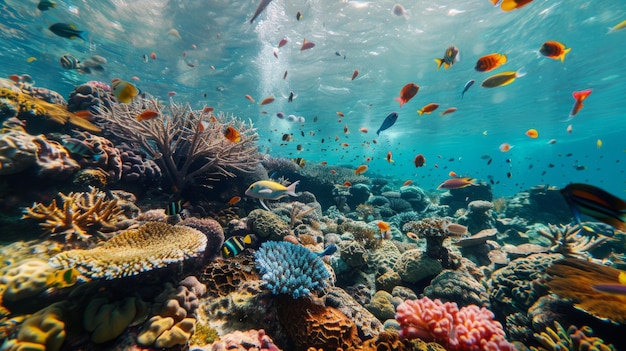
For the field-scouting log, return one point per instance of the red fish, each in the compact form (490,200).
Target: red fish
(146,115)
(267,100)
(306,45)
(428,109)
(355,73)
(490,62)
(420,160)
(457,183)
(282,42)
(448,111)
(580,96)
(407,93)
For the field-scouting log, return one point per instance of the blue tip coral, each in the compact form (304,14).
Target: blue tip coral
(291,269)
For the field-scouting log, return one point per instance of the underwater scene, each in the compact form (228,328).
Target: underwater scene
(312,175)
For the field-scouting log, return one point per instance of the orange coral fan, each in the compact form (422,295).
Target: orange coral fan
(573,278)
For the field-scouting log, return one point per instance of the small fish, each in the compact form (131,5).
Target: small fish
(597,203)
(234,200)
(329,250)
(363,130)
(147,115)
(361,169)
(298,16)
(123,90)
(68,30)
(532,133)
(285,75)
(345,129)
(412,236)
(267,100)
(490,62)
(45,5)
(448,111)
(467,86)
(287,137)
(457,183)
(250,98)
(505,147)
(62,278)
(385,229)
(552,141)
(407,182)
(569,129)
(510,5)
(69,62)
(31,59)
(599,143)
(389,157)
(407,92)
(232,134)
(174,208)
(290,98)
(80,148)
(428,109)
(450,56)
(617,27)
(347,184)
(153,55)
(419,160)
(355,74)
(502,79)
(388,122)
(306,45)
(270,190)
(235,245)
(282,42)
(398,10)
(579,96)
(262,5)
(554,50)
(299,161)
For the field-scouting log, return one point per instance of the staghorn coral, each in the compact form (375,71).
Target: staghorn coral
(468,328)
(151,246)
(82,215)
(572,339)
(568,240)
(189,149)
(572,279)
(290,269)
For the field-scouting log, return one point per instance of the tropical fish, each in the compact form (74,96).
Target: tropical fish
(554,50)
(355,73)
(123,90)
(457,183)
(267,100)
(597,203)
(45,5)
(31,59)
(250,98)
(270,190)
(235,245)
(510,5)
(599,143)
(490,62)
(385,229)
(298,16)
(69,62)
(419,160)
(62,278)
(407,182)
(234,200)
(78,147)
(618,27)
(306,45)
(467,86)
(282,42)
(407,93)
(329,250)
(505,147)
(147,115)
(361,169)
(449,57)
(388,122)
(232,134)
(299,161)
(388,158)
(428,109)
(68,30)
(448,111)
(532,133)
(502,79)
(363,130)
(262,5)
(579,96)
(616,289)
(174,208)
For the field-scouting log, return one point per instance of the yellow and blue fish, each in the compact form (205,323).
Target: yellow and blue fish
(62,278)
(597,203)
(235,244)
(124,91)
(68,30)
(270,190)
(45,5)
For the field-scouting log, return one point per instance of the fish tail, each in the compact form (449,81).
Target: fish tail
(439,63)
(83,35)
(565,52)
(581,95)
(402,102)
(291,189)
(520,72)
(420,112)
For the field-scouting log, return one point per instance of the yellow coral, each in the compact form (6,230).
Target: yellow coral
(155,327)
(153,245)
(24,279)
(179,334)
(44,330)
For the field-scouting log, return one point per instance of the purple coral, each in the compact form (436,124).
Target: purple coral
(213,231)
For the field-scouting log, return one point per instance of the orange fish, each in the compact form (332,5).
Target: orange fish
(345,129)
(407,93)
(333,171)
(323,163)
(267,100)
(153,55)
(345,145)
(340,114)
(208,109)
(505,147)
(490,62)
(355,73)
(15,78)
(407,183)
(420,160)
(448,111)
(306,45)
(383,226)
(232,134)
(347,183)
(428,109)
(361,169)
(457,183)
(453,174)
(389,159)
(234,200)
(554,50)
(146,115)
(363,130)
(250,98)
(532,133)
(85,114)
(580,96)
(510,5)
(203,125)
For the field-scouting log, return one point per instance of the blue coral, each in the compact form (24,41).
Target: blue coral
(291,269)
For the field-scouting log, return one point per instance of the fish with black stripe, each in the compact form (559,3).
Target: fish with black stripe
(597,203)
(236,244)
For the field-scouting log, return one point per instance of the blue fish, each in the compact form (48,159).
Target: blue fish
(388,122)
(329,250)
(68,30)
(466,87)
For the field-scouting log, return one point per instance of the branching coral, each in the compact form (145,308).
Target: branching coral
(572,339)
(189,146)
(568,241)
(82,215)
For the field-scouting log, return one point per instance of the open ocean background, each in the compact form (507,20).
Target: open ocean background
(232,58)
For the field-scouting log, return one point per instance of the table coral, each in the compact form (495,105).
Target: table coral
(82,215)
(151,246)
(290,269)
(573,339)
(468,328)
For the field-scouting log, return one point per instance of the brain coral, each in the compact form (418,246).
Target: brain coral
(153,245)
(290,269)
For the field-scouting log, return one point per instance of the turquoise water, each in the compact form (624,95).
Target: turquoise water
(232,58)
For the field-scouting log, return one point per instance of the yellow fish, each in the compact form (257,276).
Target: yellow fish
(502,79)
(618,27)
(124,91)
(62,278)
(599,143)
(270,190)
(31,59)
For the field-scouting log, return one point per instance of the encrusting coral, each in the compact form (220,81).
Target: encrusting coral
(572,339)
(82,215)
(151,246)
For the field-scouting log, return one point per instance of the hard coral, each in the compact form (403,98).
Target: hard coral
(151,246)
(290,269)
(24,279)
(569,241)
(82,215)
(436,230)
(468,328)
(572,339)
(106,320)
(243,341)
(213,231)
(44,330)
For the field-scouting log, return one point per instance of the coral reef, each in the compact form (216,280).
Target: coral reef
(458,287)
(213,231)
(106,320)
(267,225)
(569,241)
(290,269)
(479,216)
(245,340)
(573,339)
(436,230)
(151,246)
(44,330)
(468,328)
(367,325)
(24,279)
(90,96)
(414,266)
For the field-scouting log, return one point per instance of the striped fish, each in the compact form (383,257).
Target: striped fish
(597,203)
(174,208)
(235,244)
(69,62)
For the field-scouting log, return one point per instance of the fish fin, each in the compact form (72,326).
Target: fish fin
(400,100)
(247,239)
(291,189)
(265,191)
(83,35)
(565,53)
(263,204)
(420,112)
(581,95)
(439,63)
(520,72)
(446,65)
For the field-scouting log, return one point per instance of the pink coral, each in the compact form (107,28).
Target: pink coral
(469,329)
